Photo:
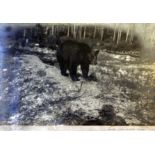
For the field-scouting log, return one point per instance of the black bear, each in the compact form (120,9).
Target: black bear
(71,54)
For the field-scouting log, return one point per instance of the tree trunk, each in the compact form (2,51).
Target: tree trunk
(68,31)
(102,33)
(127,35)
(94,34)
(74,31)
(131,34)
(24,33)
(131,38)
(79,32)
(84,33)
(52,29)
(114,36)
(46,31)
(119,36)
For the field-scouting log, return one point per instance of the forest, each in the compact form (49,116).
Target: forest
(111,39)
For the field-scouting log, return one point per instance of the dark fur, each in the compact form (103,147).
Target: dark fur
(71,54)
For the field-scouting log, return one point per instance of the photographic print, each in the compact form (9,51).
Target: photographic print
(76,74)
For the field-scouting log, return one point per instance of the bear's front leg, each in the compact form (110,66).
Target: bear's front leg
(85,70)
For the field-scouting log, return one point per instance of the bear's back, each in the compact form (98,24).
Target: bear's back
(74,47)
(75,50)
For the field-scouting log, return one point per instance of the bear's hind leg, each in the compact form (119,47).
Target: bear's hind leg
(73,72)
(63,69)
(85,70)
(62,66)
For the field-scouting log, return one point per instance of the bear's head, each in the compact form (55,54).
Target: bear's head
(93,56)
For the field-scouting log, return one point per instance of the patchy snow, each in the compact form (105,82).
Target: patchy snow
(62,89)
(39,95)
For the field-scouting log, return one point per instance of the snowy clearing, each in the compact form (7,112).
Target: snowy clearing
(36,94)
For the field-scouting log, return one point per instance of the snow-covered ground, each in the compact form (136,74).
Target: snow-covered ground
(46,95)
(34,93)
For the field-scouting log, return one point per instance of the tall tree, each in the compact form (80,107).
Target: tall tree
(24,33)
(52,29)
(114,36)
(80,32)
(74,31)
(119,36)
(84,33)
(102,33)
(127,35)
(94,34)
(68,33)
